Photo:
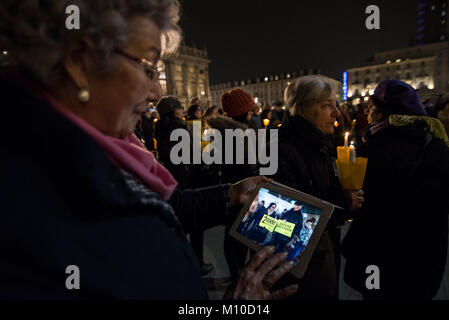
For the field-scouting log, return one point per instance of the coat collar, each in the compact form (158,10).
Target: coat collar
(301,133)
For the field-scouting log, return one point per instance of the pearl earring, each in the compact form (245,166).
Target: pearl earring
(83,95)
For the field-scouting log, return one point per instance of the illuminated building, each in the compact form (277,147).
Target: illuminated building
(424,67)
(432,21)
(186,75)
(268,89)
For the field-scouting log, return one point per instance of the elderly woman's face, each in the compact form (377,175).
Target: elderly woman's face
(323,115)
(119,99)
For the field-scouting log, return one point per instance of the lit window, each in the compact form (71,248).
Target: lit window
(389,61)
(398,60)
(266,79)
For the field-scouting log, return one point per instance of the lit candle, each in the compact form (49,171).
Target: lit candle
(336,124)
(346,139)
(352,154)
(266,122)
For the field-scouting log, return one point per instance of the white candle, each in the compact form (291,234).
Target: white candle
(346,139)
(352,154)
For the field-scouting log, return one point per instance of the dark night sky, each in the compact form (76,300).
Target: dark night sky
(250,38)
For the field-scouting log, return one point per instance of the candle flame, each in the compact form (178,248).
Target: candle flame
(266,122)
(336,124)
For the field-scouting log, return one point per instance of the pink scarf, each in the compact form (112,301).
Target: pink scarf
(127,153)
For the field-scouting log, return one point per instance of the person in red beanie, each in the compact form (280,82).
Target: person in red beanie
(239,105)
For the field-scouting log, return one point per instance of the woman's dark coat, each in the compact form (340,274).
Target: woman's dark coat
(403,225)
(305,164)
(65,203)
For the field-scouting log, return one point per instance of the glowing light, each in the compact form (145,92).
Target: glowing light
(336,124)
(345,86)
(266,79)
(266,122)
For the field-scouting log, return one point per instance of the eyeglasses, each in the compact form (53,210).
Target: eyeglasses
(151,71)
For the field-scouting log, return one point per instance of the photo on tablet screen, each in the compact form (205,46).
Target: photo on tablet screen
(276,220)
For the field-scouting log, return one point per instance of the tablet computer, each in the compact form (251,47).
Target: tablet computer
(288,219)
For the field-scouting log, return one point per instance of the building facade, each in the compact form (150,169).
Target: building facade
(432,21)
(267,90)
(424,67)
(186,75)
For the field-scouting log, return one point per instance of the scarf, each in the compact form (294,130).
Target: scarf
(436,128)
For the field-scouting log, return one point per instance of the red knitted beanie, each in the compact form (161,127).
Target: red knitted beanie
(237,102)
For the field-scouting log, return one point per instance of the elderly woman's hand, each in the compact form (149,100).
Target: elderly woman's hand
(354,199)
(240,191)
(259,275)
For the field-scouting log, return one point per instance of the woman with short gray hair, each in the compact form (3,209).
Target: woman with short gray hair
(86,206)
(305,164)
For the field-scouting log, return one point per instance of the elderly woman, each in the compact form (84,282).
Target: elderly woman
(305,164)
(402,227)
(83,196)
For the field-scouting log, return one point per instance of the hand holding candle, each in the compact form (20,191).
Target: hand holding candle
(351,169)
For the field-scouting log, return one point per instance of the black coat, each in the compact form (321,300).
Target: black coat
(182,172)
(63,202)
(305,164)
(403,225)
(294,217)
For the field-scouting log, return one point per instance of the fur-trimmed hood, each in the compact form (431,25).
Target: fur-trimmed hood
(221,123)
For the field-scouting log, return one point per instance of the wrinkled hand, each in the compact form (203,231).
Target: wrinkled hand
(239,192)
(355,199)
(259,275)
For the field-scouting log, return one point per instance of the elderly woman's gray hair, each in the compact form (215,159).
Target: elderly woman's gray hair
(35,35)
(306,91)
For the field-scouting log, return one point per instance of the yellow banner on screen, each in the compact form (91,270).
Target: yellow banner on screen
(285,228)
(268,223)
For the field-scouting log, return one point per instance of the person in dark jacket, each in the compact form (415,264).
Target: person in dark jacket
(305,164)
(294,215)
(402,227)
(171,110)
(85,205)
(238,105)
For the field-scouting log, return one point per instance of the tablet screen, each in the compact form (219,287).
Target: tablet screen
(276,220)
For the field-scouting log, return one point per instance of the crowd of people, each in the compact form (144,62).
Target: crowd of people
(90,181)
